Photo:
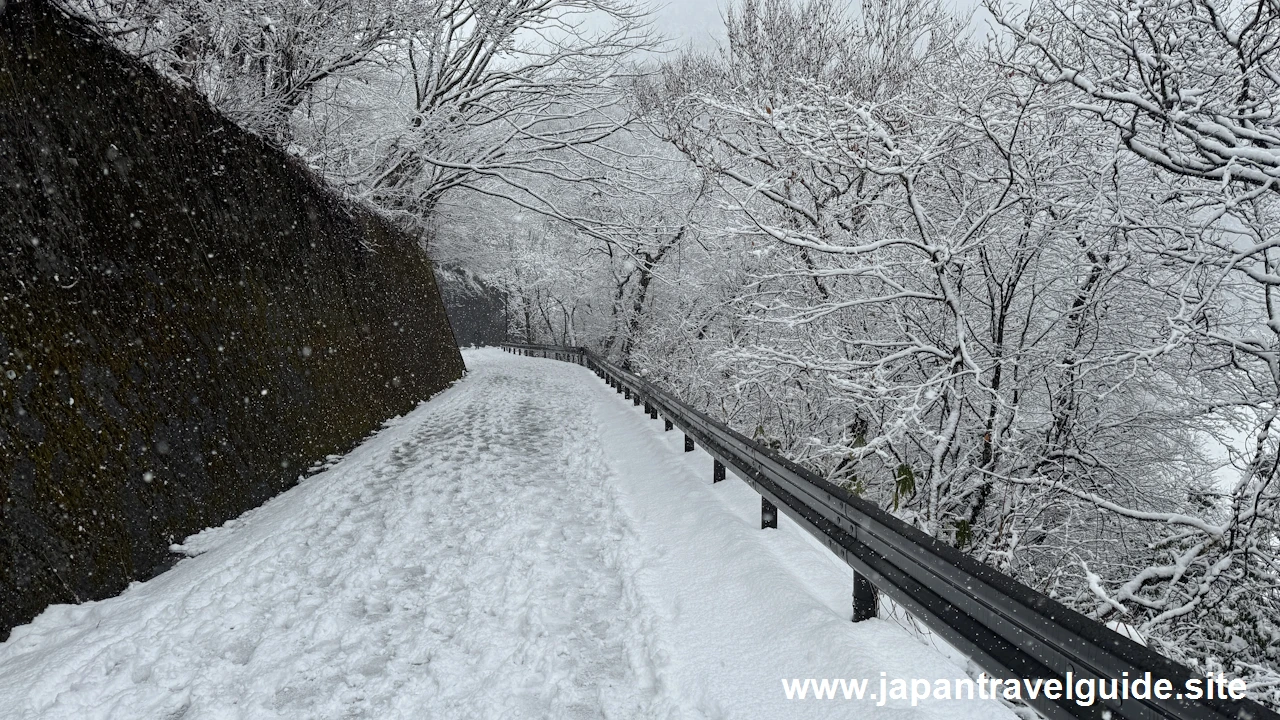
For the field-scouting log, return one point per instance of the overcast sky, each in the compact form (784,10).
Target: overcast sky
(699,21)
(696,21)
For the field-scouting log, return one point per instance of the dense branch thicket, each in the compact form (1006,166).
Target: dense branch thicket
(1020,292)
(398,102)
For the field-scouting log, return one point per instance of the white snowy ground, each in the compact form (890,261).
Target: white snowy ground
(525,545)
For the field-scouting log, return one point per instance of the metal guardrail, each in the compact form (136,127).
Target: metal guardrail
(1007,628)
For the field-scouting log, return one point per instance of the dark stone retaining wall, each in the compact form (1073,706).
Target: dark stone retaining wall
(188,319)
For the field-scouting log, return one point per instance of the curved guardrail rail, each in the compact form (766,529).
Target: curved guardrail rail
(1007,628)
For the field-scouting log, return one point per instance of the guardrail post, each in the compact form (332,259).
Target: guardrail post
(653,412)
(768,514)
(717,472)
(866,604)
(688,443)
(666,425)
(635,399)
(626,392)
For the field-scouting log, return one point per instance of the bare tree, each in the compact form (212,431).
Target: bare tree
(1190,89)
(400,102)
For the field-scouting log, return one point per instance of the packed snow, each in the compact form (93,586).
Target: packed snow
(525,545)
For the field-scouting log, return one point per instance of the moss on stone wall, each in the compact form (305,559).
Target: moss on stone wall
(187,318)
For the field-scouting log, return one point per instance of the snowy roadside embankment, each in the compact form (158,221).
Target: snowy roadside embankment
(526,545)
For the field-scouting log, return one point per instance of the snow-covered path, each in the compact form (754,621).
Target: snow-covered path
(525,545)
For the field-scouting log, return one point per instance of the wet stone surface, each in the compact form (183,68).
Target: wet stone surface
(187,319)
